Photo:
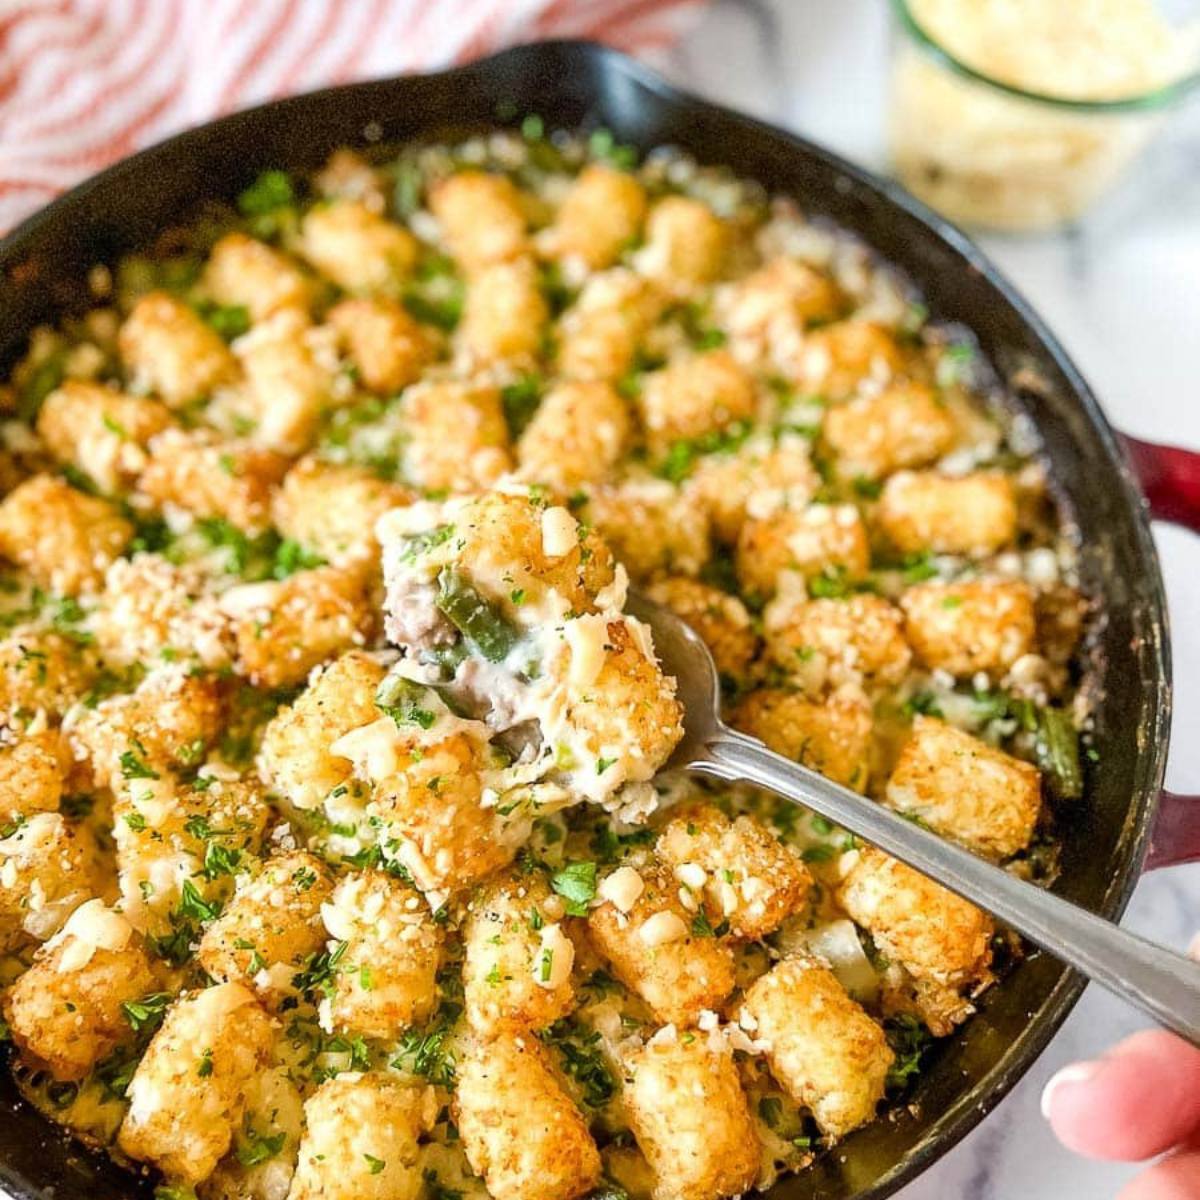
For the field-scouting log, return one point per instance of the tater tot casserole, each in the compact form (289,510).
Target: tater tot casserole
(336,855)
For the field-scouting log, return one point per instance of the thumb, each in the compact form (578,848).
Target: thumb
(1139,1100)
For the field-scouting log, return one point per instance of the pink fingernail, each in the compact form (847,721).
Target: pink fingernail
(1076,1073)
(1194,948)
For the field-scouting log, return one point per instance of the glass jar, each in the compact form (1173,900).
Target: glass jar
(989,153)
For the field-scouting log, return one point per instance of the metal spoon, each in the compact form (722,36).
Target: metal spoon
(1164,984)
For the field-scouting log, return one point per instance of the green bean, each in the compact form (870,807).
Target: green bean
(1057,746)
(474,617)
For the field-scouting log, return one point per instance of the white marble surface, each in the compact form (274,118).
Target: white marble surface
(1123,293)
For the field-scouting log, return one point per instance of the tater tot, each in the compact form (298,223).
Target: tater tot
(686,243)
(776,298)
(101,432)
(448,840)
(690,1117)
(599,335)
(333,509)
(481,218)
(825,1050)
(249,274)
(31,775)
(763,473)
(62,537)
(361,1140)
(902,426)
(358,249)
(976,625)
(167,722)
(297,759)
(721,620)
(834,641)
(745,876)
(500,545)
(388,975)
(42,669)
(151,609)
(656,948)
(621,706)
(520,1131)
(169,350)
(965,789)
(819,539)
(388,347)
(288,383)
(262,1160)
(46,871)
(285,628)
(832,736)
(188,1092)
(169,835)
(505,313)
(690,397)
(458,438)
(969,514)
(651,527)
(577,435)
(517,972)
(67,1011)
(600,216)
(914,921)
(835,360)
(270,926)
(200,473)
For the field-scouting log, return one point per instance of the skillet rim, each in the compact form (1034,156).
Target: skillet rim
(952,1126)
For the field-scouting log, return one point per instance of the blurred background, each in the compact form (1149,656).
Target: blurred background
(1120,286)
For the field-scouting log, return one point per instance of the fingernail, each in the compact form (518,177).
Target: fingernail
(1194,948)
(1076,1073)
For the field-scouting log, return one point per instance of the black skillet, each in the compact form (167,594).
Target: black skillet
(1107,836)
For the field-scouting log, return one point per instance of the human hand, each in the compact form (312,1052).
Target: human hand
(1138,1101)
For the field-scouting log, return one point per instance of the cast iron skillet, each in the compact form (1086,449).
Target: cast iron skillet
(43,263)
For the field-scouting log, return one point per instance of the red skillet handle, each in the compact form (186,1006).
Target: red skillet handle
(1175,837)
(1170,478)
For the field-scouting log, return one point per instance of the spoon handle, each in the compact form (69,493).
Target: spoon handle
(1164,984)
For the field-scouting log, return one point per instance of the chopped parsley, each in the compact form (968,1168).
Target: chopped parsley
(425,1053)
(291,556)
(576,884)
(193,906)
(259,1147)
(602,144)
(146,1013)
(228,320)
(681,457)
(270,191)
(404,701)
(422,543)
(520,400)
(134,764)
(320,971)
(909,1040)
(582,1060)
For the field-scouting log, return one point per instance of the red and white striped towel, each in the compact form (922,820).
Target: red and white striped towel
(85,82)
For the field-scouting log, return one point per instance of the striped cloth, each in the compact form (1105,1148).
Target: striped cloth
(85,82)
